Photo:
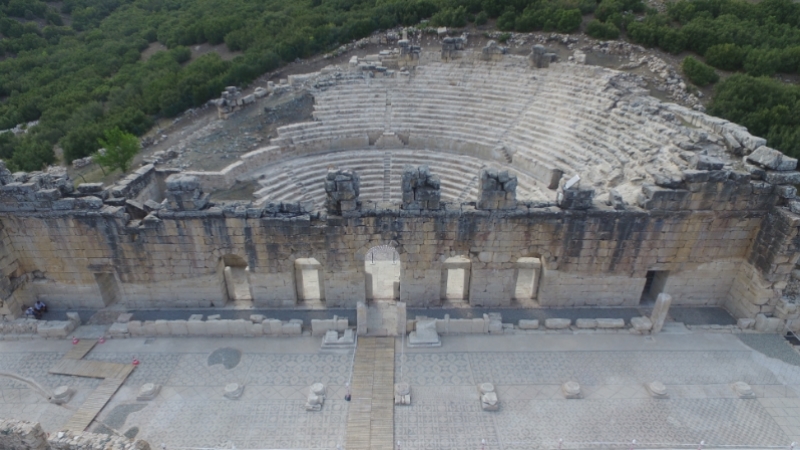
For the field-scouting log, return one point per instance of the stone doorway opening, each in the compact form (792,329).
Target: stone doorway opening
(382,270)
(527,278)
(654,283)
(109,288)
(455,279)
(309,279)
(236,276)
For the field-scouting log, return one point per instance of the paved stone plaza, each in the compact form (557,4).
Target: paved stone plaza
(445,413)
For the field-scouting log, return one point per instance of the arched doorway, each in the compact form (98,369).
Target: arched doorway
(382,269)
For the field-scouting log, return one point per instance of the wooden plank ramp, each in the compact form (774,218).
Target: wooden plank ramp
(89,369)
(85,415)
(113,375)
(79,350)
(370,421)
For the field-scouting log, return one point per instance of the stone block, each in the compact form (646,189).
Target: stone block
(642,324)
(55,328)
(425,334)
(766,324)
(272,327)
(124,317)
(557,324)
(610,323)
(149,328)
(526,324)
(239,327)
(197,327)
(178,327)
(489,401)
(162,328)
(217,327)
(135,327)
(586,323)
(291,329)
(745,324)
(257,318)
(321,326)
(118,330)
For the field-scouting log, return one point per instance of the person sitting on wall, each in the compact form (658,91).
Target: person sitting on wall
(30,312)
(40,306)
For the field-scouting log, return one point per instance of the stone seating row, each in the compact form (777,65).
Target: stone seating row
(456,172)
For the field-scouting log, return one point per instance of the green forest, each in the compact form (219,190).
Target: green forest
(76,66)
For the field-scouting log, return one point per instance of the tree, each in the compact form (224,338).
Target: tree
(600,30)
(120,148)
(699,73)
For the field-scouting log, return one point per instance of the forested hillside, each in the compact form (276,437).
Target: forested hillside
(77,66)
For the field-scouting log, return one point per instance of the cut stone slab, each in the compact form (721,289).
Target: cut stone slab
(771,159)
(62,395)
(641,324)
(233,390)
(118,329)
(124,317)
(745,324)
(425,334)
(766,324)
(586,323)
(402,394)
(743,390)
(656,389)
(610,323)
(571,389)
(525,324)
(148,391)
(557,324)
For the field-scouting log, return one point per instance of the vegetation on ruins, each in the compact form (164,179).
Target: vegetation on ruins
(118,150)
(77,66)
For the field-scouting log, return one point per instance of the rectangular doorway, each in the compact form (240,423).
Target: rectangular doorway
(654,283)
(109,289)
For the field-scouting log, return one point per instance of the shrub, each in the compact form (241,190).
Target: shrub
(481,18)
(762,62)
(570,21)
(725,56)
(600,30)
(698,73)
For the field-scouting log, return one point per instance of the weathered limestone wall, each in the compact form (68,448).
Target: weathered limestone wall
(591,257)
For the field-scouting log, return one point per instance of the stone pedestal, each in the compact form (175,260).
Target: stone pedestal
(660,311)
(571,389)
(316,397)
(402,394)
(743,390)
(62,394)
(489,401)
(656,389)
(425,335)
(148,391)
(233,390)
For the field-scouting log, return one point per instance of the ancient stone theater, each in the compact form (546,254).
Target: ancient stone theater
(483,179)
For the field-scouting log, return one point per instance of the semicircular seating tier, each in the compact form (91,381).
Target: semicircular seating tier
(540,123)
